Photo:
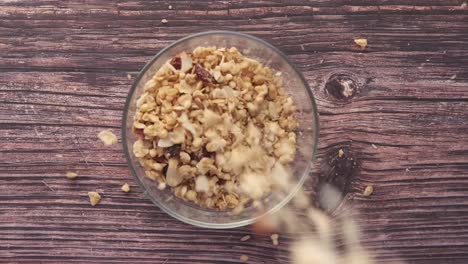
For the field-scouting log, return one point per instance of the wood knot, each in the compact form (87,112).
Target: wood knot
(336,175)
(342,86)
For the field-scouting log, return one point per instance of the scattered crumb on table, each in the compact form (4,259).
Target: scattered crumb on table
(340,153)
(164,21)
(374,146)
(71,175)
(107,137)
(361,42)
(125,188)
(244,258)
(274,239)
(245,238)
(368,190)
(94,198)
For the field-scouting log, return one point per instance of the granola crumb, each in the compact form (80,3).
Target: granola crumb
(374,146)
(161,186)
(94,198)
(368,190)
(274,239)
(107,137)
(129,77)
(125,188)
(340,153)
(170,7)
(71,175)
(244,258)
(164,21)
(361,42)
(245,238)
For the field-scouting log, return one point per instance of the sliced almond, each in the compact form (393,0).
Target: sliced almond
(186,62)
(172,177)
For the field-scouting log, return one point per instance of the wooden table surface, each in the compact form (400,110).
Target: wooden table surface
(66,68)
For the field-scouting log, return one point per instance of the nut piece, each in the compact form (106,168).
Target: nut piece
(202,184)
(139,149)
(125,188)
(94,198)
(172,177)
(368,190)
(186,62)
(164,21)
(184,157)
(71,175)
(191,195)
(107,137)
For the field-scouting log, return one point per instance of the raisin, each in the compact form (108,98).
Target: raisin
(202,153)
(160,159)
(174,150)
(176,62)
(203,75)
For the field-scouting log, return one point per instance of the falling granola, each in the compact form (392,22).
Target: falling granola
(216,127)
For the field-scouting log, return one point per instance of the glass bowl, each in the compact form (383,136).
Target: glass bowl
(307,132)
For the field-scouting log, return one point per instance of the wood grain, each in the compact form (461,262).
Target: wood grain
(63,78)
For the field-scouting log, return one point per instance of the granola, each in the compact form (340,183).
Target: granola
(214,125)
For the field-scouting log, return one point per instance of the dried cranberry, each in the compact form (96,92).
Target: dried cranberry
(203,75)
(139,133)
(176,62)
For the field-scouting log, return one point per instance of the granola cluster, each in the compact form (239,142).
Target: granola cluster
(215,126)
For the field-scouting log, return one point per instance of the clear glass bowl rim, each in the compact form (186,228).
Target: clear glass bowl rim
(176,214)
